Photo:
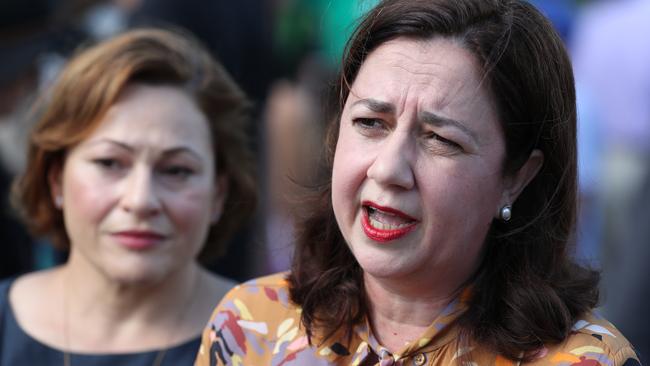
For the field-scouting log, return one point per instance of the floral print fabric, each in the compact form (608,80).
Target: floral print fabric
(257,325)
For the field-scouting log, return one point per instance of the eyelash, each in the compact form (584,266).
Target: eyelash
(365,123)
(177,171)
(108,163)
(370,127)
(450,143)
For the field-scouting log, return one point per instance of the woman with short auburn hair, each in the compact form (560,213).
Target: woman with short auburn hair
(139,165)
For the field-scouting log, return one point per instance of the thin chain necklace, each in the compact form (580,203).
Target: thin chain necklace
(160,355)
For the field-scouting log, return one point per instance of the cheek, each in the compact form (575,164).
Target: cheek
(86,198)
(459,195)
(484,190)
(348,173)
(339,193)
(191,211)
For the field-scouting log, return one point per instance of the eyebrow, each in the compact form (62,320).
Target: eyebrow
(437,120)
(167,152)
(376,105)
(429,118)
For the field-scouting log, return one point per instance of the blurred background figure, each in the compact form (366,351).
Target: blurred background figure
(294,133)
(139,166)
(237,34)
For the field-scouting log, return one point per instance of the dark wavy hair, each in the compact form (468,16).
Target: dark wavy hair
(527,292)
(93,81)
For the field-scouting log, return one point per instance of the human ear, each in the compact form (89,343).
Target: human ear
(515,183)
(221,193)
(55,181)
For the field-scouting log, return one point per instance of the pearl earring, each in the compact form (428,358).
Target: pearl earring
(58,201)
(506,213)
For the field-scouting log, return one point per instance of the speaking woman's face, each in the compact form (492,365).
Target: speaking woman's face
(417,175)
(140,192)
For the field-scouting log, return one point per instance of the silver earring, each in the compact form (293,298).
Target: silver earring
(506,213)
(58,201)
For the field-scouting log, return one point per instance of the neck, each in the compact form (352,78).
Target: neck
(128,317)
(401,311)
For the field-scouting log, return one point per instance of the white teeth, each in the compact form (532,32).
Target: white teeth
(383,226)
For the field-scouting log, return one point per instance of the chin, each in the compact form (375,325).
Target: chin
(382,272)
(380,264)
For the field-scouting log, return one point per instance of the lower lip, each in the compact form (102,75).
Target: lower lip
(380,235)
(138,242)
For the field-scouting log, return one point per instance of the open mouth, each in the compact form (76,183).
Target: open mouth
(384,224)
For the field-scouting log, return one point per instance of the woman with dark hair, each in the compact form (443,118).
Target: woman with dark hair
(442,237)
(138,166)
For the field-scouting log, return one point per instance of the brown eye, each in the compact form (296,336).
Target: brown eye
(368,122)
(108,163)
(177,171)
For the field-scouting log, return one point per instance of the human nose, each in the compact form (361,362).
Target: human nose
(139,196)
(393,164)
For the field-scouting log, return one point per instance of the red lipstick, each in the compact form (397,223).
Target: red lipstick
(138,240)
(377,230)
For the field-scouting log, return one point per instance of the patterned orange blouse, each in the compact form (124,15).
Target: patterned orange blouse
(257,325)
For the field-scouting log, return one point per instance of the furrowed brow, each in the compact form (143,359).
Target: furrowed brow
(376,105)
(437,120)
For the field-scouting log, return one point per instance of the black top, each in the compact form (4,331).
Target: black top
(17,348)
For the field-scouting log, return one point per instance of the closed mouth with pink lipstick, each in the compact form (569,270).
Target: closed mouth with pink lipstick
(384,224)
(138,239)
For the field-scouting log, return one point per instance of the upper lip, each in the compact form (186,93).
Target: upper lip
(389,210)
(140,233)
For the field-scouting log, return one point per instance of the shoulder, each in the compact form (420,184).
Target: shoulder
(593,341)
(277,280)
(254,321)
(270,287)
(5,284)
(258,298)
(33,298)
(33,288)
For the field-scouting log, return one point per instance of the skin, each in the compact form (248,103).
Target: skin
(419,134)
(149,166)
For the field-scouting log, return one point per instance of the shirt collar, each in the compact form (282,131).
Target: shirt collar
(436,335)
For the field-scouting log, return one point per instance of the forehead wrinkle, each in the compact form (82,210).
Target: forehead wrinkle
(147,149)
(445,95)
(399,63)
(428,67)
